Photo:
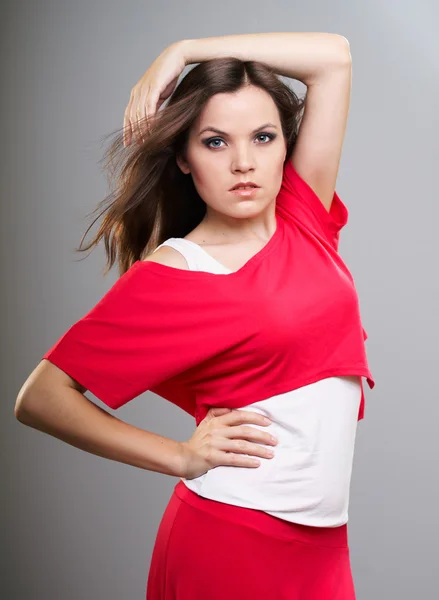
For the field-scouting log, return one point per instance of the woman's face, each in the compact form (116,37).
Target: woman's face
(248,149)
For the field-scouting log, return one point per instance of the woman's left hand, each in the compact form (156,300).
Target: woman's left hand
(154,87)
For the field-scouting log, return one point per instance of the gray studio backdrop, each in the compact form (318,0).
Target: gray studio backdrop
(78,527)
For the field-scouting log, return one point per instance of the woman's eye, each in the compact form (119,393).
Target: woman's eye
(212,141)
(207,143)
(264,135)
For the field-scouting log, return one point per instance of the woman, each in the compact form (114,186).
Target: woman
(235,305)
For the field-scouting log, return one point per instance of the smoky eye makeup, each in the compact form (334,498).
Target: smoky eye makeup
(209,140)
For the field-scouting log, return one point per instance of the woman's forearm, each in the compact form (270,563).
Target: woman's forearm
(68,415)
(298,55)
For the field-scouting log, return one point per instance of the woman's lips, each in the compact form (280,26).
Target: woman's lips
(245,192)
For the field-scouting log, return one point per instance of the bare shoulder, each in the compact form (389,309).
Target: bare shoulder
(166,255)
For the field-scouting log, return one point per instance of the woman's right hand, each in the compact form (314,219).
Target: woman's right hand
(153,88)
(222,439)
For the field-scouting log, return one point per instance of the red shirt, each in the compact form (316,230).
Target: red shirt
(289,317)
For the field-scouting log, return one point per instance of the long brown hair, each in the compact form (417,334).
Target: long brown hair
(151,199)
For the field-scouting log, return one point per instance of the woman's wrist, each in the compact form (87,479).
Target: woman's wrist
(185,48)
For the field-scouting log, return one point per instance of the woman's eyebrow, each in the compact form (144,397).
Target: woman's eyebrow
(225,133)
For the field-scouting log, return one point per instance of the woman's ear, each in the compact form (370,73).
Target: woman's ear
(183,165)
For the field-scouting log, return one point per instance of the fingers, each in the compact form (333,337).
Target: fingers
(137,117)
(129,120)
(137,125)
(244,447)
(137,110)
(150,108)
(127,135)
(217,411)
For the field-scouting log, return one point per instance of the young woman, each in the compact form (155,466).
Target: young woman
(234,304)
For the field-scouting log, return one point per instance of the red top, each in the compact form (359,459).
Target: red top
(289,317)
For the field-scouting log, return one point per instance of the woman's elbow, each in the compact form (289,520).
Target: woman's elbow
(45,379)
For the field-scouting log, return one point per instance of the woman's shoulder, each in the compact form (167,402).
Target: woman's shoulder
(168,256)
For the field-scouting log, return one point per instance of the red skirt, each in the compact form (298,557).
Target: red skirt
(209,550)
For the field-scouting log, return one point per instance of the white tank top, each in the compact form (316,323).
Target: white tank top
(308,479)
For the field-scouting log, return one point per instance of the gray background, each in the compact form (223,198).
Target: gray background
(76,526)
